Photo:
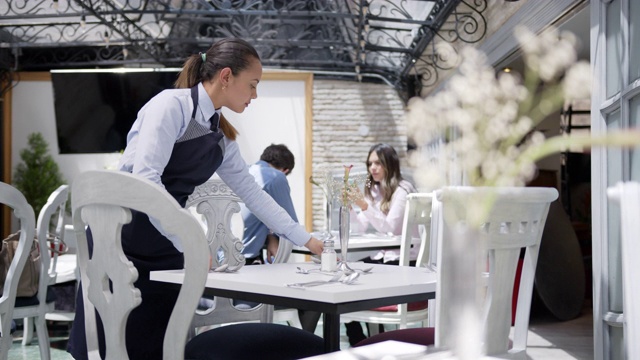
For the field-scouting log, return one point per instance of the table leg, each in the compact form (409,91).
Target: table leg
(331,332)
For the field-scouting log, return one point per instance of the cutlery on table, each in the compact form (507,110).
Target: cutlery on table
(363,271)
(221,268)
(300,270)
(337,278)
(226,268)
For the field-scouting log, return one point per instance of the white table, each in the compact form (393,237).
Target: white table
(385,285)
(360,242)
(385,349)
(393,350)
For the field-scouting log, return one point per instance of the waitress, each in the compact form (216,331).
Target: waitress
(179,140)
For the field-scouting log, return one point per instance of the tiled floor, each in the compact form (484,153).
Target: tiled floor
(548,339)
(553,339)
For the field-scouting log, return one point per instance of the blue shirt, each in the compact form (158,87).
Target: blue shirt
(162,121)
(273,182)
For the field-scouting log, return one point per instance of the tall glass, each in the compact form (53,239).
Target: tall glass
(343,231)
(328,220)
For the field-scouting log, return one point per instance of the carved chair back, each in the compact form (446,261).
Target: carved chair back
(217,204)
(103,200)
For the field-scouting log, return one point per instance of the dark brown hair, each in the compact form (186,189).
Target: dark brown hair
(279,156)
(234,53)
(391,163)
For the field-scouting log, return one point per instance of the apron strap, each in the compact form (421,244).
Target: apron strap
(215,119)
(194,97)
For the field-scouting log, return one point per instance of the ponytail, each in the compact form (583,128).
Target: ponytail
(227,129)
(236,54)
(189,76)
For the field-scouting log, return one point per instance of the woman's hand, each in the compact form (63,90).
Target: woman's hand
(315,246)
(359,200)
(272,247)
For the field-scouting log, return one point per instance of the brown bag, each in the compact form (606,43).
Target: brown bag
(28,284)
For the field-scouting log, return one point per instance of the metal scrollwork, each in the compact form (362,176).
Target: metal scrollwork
(373,39)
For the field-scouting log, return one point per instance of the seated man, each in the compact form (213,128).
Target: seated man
(270,172)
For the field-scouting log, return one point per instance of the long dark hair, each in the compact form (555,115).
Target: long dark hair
(233,53)
(391,163)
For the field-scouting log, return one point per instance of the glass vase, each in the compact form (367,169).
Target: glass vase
(459,327)
(328,220)
(343,231)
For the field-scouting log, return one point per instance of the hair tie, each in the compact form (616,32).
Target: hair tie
(203,56)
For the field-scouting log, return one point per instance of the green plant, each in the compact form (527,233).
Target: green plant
(38,175)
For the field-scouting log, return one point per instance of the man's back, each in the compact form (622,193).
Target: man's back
(273,182)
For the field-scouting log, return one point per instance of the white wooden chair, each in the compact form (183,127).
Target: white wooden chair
(64,269)
(102,200)
(437,230)
(14,199)
(627,194)
(217,204)
(417,220)
(33,310)
(515,222)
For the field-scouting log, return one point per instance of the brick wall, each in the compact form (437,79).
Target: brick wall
(348,118)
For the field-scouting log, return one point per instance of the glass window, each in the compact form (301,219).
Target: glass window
(634,122)
(617,343)
(614,48)
(634,31)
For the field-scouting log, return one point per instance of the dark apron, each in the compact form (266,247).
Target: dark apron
(194,159)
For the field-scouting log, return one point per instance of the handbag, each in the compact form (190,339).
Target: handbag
(28,283)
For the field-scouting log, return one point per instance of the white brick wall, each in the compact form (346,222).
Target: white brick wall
(341,110)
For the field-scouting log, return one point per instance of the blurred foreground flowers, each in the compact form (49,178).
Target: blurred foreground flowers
(481,129)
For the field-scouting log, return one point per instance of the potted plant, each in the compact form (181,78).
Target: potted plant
(38,175)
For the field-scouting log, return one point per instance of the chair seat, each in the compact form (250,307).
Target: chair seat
(421,336)
(270,341)
(66,268)
(414,306)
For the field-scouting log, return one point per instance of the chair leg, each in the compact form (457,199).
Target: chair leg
(431,318)
(295,321)
(43,338)
(373,329)
(6,339)
(27,332)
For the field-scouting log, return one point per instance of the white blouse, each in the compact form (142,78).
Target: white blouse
(390,223)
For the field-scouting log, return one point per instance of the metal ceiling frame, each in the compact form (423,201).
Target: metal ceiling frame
(391,41)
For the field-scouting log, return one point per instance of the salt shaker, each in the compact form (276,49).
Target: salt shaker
(329,258)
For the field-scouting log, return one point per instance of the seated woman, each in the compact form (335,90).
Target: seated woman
(382,208)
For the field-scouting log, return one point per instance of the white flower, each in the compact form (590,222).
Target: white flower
(577,82)
(482,125)
(549,54)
